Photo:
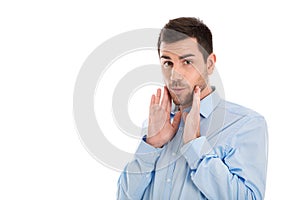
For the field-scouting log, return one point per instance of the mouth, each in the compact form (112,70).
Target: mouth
(177,90)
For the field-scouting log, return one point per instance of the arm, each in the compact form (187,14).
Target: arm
(138,174)
(241,173)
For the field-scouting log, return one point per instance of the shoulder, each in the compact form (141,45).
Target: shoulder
(239,115)
(244,123)
(238,119)
(239,110)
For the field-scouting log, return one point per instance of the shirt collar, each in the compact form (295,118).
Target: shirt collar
(209,103)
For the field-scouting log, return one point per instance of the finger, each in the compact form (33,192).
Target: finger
(165,99)
(169,107)
(176,120)
(157,97)
(152,100)
(169,104)
(169,101)
(196,99)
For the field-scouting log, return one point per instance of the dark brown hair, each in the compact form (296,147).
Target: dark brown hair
(184,27)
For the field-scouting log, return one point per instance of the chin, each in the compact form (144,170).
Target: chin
(181,102)
(182,99)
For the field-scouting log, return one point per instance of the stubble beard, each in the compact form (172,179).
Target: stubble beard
(183,99)
(186,100)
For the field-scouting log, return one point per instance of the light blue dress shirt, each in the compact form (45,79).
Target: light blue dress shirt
(228,161)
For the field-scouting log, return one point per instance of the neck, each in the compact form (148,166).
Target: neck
(205,92)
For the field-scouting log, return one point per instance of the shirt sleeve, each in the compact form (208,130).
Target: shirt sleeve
(138,173)
(238,174)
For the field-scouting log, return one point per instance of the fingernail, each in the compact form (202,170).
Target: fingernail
(196,89)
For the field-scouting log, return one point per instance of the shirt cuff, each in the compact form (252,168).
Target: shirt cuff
(147,153)
(195,151)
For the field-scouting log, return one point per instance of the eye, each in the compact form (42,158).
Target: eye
(167,64)
(187,62)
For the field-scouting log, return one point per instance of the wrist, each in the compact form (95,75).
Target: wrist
(190,138)
(154,141)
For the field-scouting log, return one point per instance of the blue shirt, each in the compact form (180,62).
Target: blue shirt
(228,160)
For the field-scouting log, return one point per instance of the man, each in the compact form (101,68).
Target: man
(209,148)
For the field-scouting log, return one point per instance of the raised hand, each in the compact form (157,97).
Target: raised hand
(160,129)
(192,119)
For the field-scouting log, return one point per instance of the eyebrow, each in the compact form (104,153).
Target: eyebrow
(185,56)
(165,57)
(180,57)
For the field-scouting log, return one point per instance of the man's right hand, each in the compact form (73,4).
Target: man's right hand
(160,128)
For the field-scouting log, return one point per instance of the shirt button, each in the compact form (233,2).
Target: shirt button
(168,180)
(173,154)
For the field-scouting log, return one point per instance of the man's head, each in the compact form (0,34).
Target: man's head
(187,58)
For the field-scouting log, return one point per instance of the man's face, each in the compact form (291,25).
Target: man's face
(183,68)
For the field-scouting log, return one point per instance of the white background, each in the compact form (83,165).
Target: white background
(43,45)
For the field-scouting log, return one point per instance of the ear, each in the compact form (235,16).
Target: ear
(210,63)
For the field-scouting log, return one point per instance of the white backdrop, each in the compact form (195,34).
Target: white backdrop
(44,44)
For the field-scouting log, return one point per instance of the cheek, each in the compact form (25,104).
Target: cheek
(192,77)
(166,73)
(166,77)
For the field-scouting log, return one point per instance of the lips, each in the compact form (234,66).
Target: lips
(177,89)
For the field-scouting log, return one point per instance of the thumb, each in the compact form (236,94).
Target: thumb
(176,120)
(196,98)
(184,115)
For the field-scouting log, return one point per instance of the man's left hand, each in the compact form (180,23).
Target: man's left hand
(192,119)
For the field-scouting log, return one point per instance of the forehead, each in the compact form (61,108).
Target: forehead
(185,46)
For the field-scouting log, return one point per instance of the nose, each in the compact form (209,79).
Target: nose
(176,73)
